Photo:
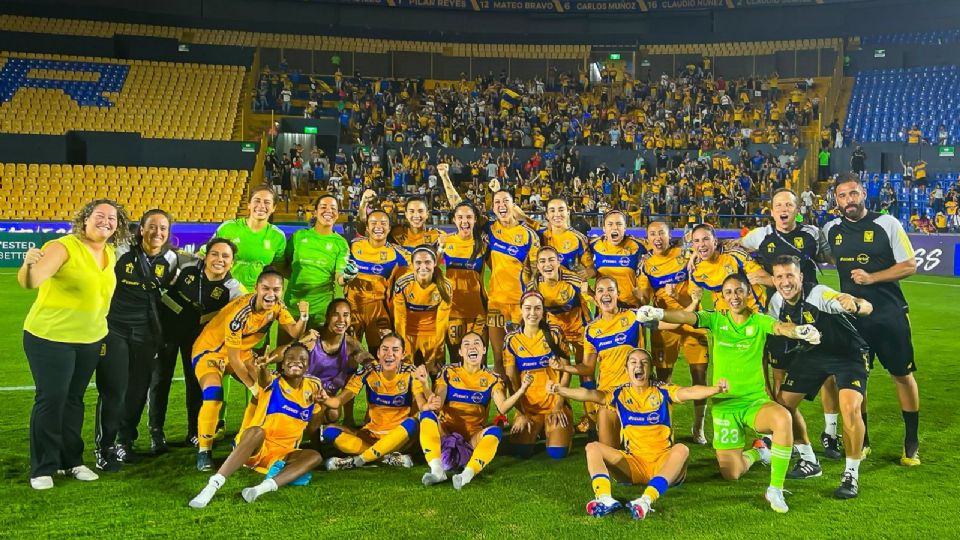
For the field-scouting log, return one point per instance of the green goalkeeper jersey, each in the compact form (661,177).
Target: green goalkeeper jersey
(314,261)
(737,354)
(255,250)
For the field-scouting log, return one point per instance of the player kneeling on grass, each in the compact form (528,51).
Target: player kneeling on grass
(739,336)
(842,353)
(459,436)
(648,455)
(268,440)
(391,387)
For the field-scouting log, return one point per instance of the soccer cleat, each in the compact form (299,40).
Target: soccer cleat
(158,442)
(910,461)
(80,472)
(430,478)
(805,469)
(205,460)
(106,461)
(639,508)
(396,459)
(763,447)
(849,486)
(774,496)
(698,438)
(831,446)
(204,497)
(598,508)
(339,463)
(126,454)
(221,431)
(41,482)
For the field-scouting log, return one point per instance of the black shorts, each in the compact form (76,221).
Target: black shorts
(775,351)
(890,340)
(807,373)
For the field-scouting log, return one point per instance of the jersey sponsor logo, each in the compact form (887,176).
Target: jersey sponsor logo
(513,250)
(624,261)
(868,236)
(863,258)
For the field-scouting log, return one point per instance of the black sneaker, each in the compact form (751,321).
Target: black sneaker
(107,461)
(849,487)
(805,469)
(126,454)
(832,449)
(205,460)
(158,442)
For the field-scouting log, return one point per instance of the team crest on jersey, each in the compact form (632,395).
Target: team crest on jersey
(654,400)
(808,317)
(566,245)
(216,293)
(159,271)
(728,269)
(564,295)
(625,322)
(483,381)
(798,241)
(868,236)
(435,296)
(307,394)
(128,268)
(188,280)
(517,239)
(383,255)
(838,240)
(402,387)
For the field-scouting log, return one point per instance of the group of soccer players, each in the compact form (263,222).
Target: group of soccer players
(557,306)
(534,317)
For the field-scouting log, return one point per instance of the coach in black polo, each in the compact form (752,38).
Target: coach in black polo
(873,254)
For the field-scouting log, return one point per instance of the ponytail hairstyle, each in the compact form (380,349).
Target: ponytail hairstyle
(479,245)
(138,235)
(544,325)
(437,278)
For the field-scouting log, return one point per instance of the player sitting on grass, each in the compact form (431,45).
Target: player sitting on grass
(268,441)
(739,335)
(648,455)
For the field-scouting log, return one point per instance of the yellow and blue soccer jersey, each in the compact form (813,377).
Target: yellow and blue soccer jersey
(465,274)
(237,326)
(420,311)
(622,263)
(573,247)
(378,269)
(389,400)
(466,407)
(612,340)
(564,303)
(283,411)
(532,355)
(645,422)
(402,235)
(709,275)
(660,271)
(511,251)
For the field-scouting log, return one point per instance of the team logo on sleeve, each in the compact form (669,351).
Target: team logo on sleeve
(868,236)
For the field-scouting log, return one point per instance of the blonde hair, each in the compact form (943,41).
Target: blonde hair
(120,236)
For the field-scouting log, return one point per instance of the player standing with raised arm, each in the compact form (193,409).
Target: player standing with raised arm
(841,353)
(873,254)
(739,334)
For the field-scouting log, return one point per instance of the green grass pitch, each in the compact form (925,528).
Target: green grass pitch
(536,498)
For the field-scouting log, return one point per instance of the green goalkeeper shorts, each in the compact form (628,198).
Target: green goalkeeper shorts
(730,421)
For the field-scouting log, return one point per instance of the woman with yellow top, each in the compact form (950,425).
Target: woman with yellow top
(572,246)
(453,427)
(64,331)
(536,349)
(511,250)
(421,309)
(415,232)
(708,268)
(646,452)
(618,256)
(379,264)
(462,254)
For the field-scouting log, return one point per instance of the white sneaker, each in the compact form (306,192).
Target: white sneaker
(774,496)
(41,482)
(82,473)
(431,478)
(396,459)
(339,464)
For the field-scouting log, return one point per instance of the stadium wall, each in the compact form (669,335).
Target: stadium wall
(129,149)
(902,56)
(664,26)
(885,157)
